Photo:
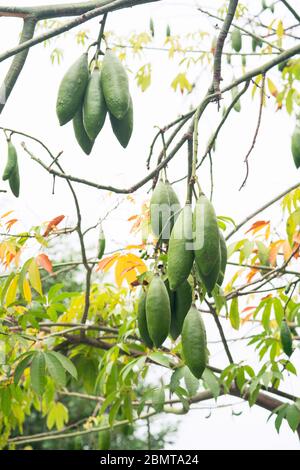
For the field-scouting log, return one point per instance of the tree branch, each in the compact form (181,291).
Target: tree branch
(289,7)
(111,6)
(220,44)
(260,209)
(18,62)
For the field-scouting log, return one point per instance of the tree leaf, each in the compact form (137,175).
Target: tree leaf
(55,369)
(158,399)
(37,373)
(65,362)
(211,382)
(34,277)
(22,365)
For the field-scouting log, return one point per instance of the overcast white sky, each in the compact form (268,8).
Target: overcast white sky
(31,109)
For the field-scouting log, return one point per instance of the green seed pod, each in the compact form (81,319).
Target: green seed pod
(228,59)
(151,27)
(12,161)
(296,145)
(72,89)
(94,107)
(104,438)
(236,40)
(223,249)
(183,297)
(158,311)
(168,31)
(164,209)
(142,321)
(171,295)
(194,342)
(115,86)
(123,128)
(254,44)
(206,236)
(264,4)
(101,243)
(80,133)
(244,61)
(14,181)
(237,105)
(286,338)
(181,254)
(210,280)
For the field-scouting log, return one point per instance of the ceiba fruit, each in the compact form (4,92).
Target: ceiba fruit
(158,311)
(94,106)
(72,89)
(80,133)
(180,253)
(296,145)
(206,242)
(142,320)
(182,302)
(123,128)
(115,85)
(194,342)
(164,209)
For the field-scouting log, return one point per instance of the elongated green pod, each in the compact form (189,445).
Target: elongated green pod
(206,236)
(223,263)
(82,138)
(123,128)
(101,243)
(237,105)
(158,311)
(194,342)
(12,161)
(164,210)
(296,145)
(115,85)
(94,107)
(14,181)
(181,253)
(182,302)
(72,89)
(236,40)
(286,338)
(142,320)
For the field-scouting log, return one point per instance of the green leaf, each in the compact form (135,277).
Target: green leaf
(293,417)
(234,315)
(160,359)
(55,369)
(22,365)
(211,382)
(158,399)
(191,382)
(175,378)
(65,362)
(293,222)
(37,373)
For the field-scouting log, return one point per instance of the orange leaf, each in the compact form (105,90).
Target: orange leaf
(258,226)
(6,214)
(43,261)
(246,318)
(107,262)
(246,309)
(133,217)
(52,224)
(251,275)
(136,247)
(10,223)
(287,251)
(274,248)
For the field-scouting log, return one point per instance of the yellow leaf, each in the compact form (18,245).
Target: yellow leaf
(34,277)
(272,88)
(256,83)
(27,291)
(12,291)
(280,29)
